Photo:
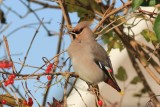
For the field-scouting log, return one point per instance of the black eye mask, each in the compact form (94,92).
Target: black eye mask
(78,31)
(75,33)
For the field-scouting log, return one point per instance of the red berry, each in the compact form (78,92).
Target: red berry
(100,103)
(3,101)
(13,76)
(49,77)
(48,71)
(24,102)
(10,64)
(2,64)
(11,81)
(30,102)
(30,99)
(5,64)
(50,65)
(49,68)
(10,77)
(6,83)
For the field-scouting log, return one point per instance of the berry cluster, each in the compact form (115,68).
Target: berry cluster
(5,64)
(10,80)
(29,103)
(48,70)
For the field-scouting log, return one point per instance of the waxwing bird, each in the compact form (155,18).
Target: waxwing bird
(89,59)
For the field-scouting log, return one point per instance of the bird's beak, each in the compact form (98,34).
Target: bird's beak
(73,34)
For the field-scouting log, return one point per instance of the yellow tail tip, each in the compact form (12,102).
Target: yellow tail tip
(121,93)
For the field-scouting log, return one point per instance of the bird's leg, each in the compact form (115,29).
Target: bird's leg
(89,86)
(94,88)
(99,99)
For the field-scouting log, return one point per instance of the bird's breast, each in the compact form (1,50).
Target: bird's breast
(83,62)
(87,69)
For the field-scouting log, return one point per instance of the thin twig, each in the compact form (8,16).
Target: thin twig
(65,90)
(111,13)
(8,52)
(44,4)
(56,60)
(35,34)
(139,72)
(30,9)
(65,15)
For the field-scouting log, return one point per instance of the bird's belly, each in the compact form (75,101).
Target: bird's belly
(88,71)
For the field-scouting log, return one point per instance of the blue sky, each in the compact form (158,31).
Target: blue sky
(43,46)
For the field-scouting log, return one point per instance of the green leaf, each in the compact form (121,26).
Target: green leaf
(112,40)
(152,2)
(107,37)
(84,8)
(135,80)
(137,95)
(121,74)
(157,27)
(118,44)
(149,3)
(136,4)
(149,35)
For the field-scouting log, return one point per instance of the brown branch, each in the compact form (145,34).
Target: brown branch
(152,61)
(65,90)
(8,52)
(10,9)
(141,55)
(10,100)
(73,74)
(44,4)
(149,49)
(35,34)
(132,48)
(57,55)
(111,13)
(73,86)
(65,14)
(38,18)
(110,8)
(56,60)
(140,74)
(136,50)
(79,94)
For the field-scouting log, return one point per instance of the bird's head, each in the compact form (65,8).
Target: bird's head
(82,31)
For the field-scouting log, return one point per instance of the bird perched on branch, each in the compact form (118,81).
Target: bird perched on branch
(89,59)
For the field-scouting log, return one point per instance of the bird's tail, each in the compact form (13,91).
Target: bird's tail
(113,84)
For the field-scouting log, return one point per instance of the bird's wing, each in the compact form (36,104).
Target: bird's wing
(104,63)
